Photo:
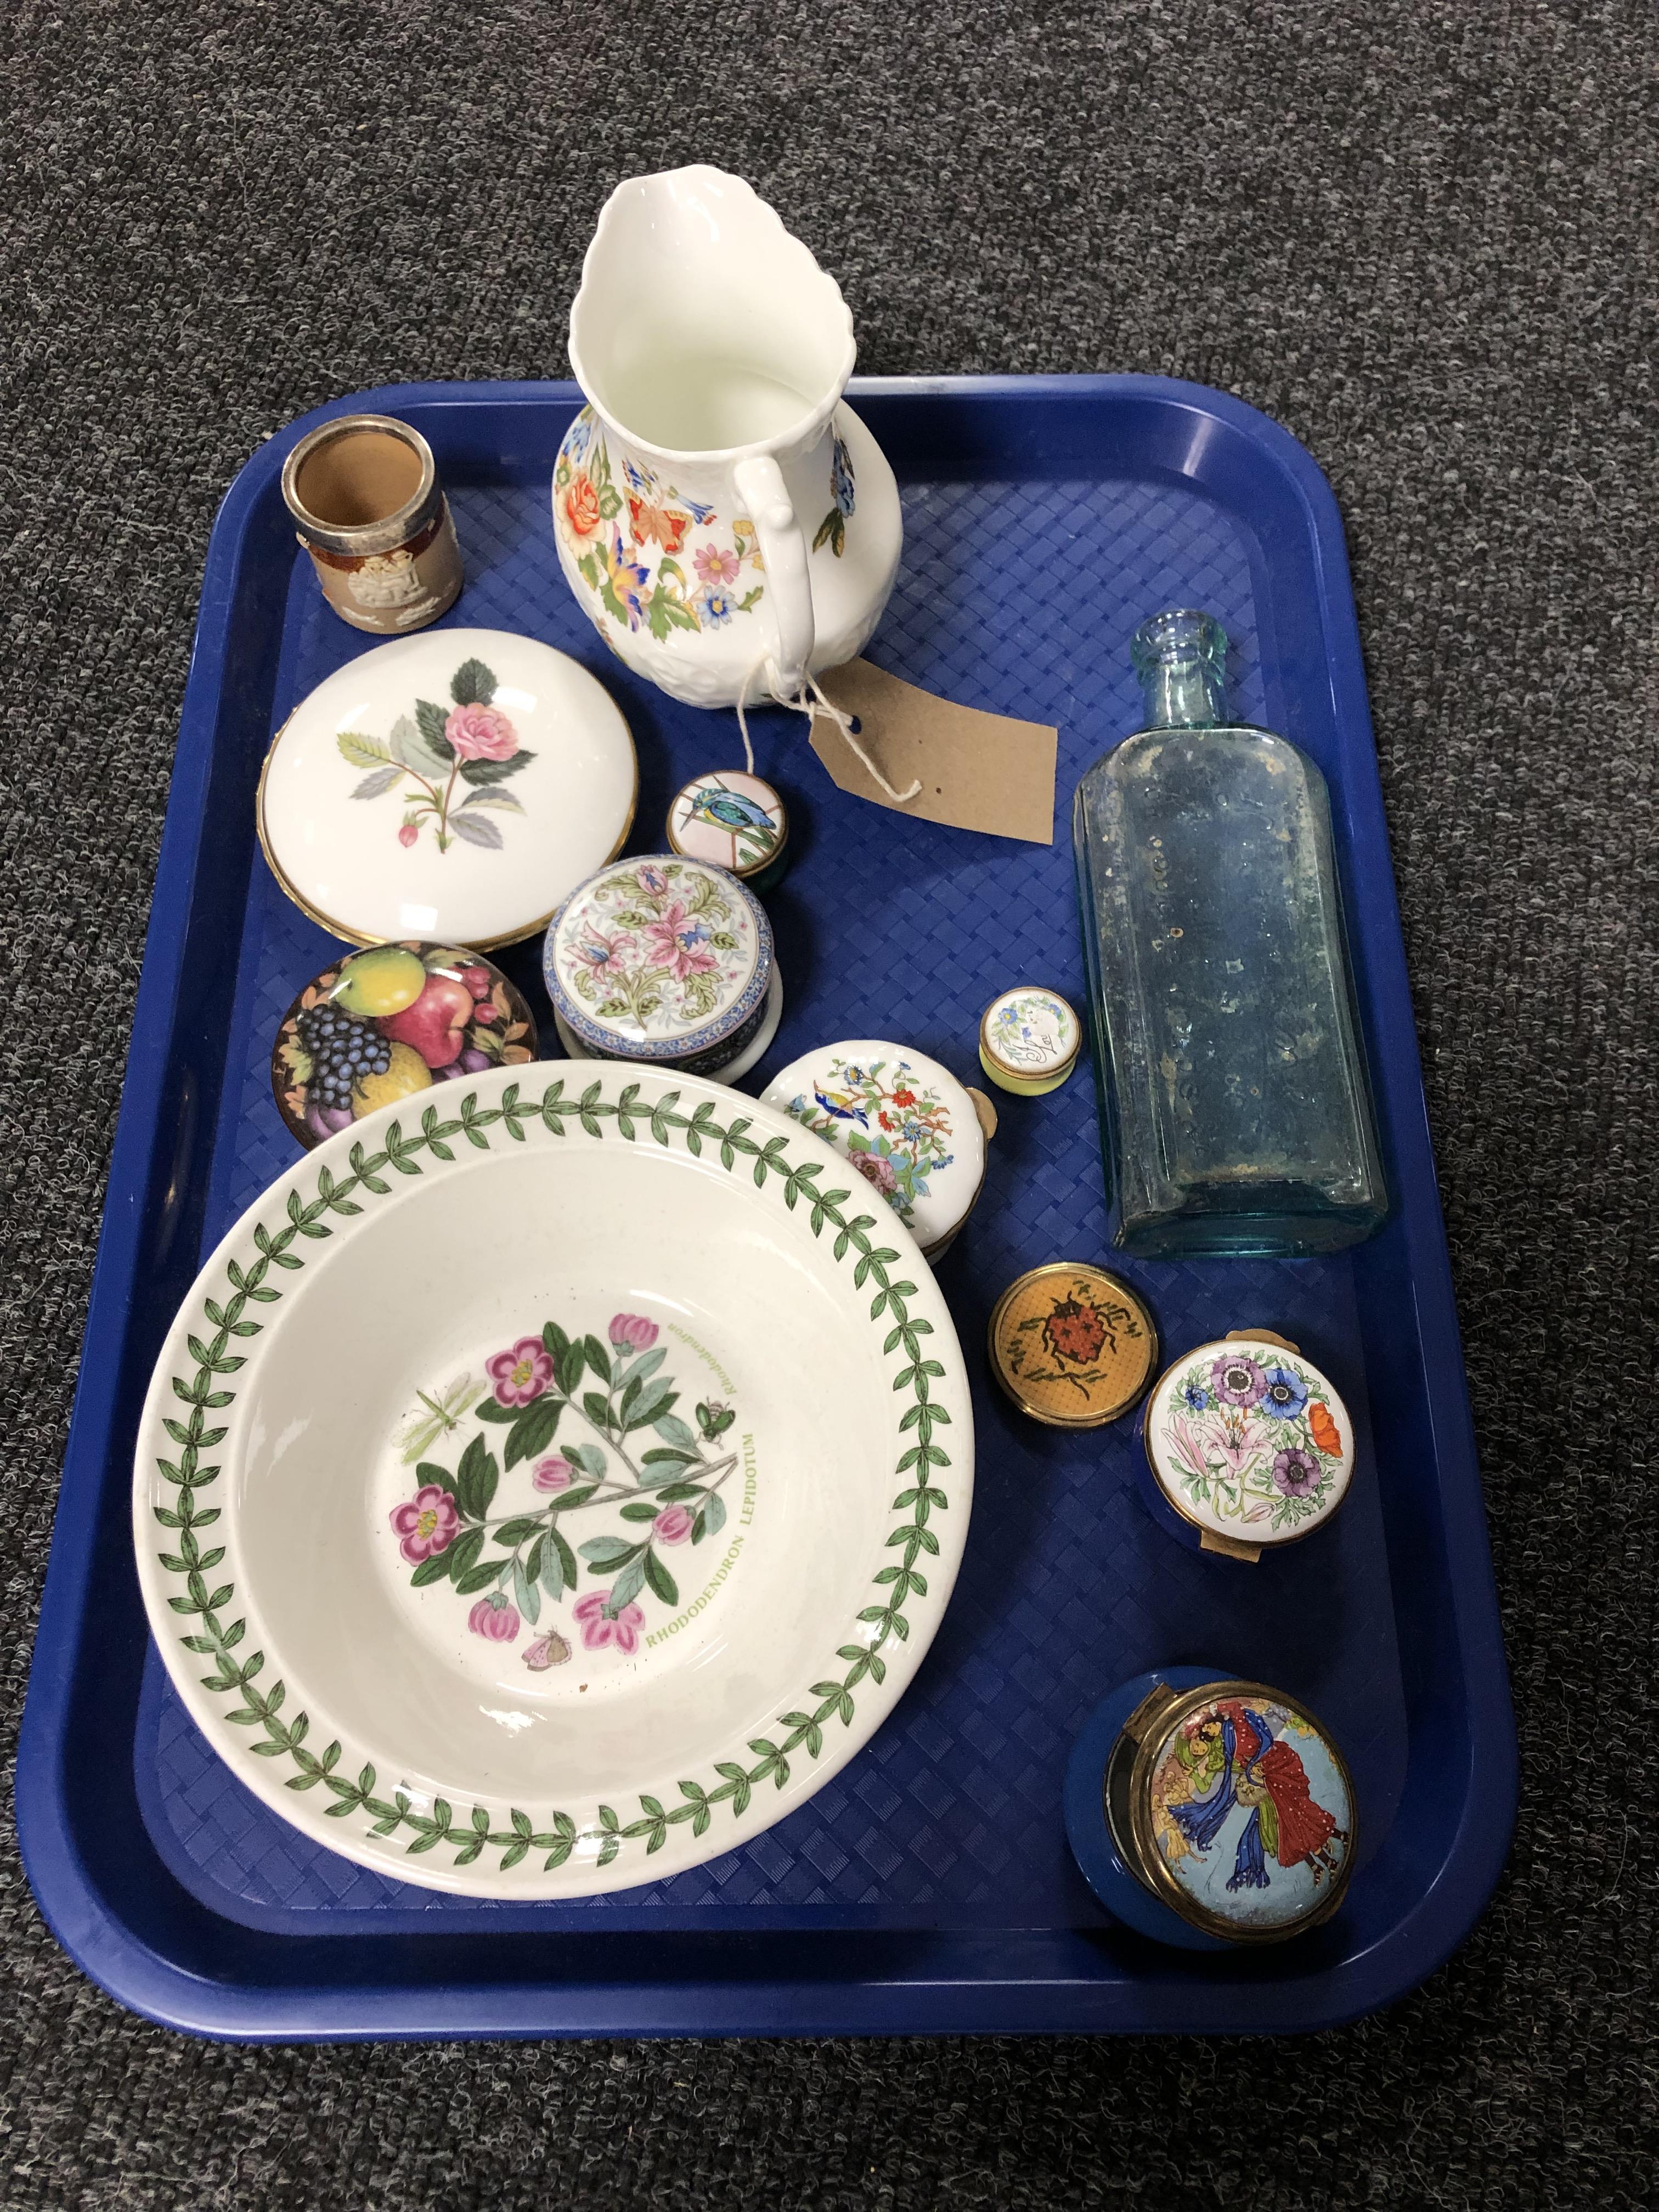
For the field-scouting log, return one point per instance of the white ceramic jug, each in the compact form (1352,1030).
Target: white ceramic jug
(726,520)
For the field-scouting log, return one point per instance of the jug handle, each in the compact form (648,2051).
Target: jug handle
(764,496)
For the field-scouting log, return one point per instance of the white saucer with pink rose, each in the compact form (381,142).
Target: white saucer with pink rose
(453,785)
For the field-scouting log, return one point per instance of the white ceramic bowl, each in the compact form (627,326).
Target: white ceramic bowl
(300,1505)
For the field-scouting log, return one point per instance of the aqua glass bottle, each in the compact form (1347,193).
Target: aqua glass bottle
(1235,1112)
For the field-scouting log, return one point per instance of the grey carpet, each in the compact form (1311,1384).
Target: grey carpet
(1422,235)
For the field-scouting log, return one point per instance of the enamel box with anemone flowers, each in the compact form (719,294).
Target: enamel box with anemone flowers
(1248,1445)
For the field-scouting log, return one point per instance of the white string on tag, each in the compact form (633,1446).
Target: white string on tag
(810,701)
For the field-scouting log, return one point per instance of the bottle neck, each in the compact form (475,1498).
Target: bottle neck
(1182,699)
(1180,658)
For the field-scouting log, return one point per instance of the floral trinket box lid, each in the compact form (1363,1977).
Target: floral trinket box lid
(1028,1040)
(662,960)
(903,1122)
(451,787)
(1248,1445)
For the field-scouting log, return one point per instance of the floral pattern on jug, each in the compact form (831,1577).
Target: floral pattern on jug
(631,543)
(616,1450)
(832,531)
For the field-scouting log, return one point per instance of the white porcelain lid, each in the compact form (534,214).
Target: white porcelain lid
(903,1122)
(1248,1439)
(657,959)
(453,785)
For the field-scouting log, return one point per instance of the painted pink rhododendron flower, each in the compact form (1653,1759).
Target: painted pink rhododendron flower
(600,1627)
(521,1374)
(426,1523)
(633,1333)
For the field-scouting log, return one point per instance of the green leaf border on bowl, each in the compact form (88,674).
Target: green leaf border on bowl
(210,1603)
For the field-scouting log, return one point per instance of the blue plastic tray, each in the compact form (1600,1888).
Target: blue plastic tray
(928,1887)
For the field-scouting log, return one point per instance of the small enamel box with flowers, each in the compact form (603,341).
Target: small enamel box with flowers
(1248,1446)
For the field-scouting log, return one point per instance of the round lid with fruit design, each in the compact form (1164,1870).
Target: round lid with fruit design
(659,959)
(910,1129)
(1249,1441)
(451,787)
(387,1023)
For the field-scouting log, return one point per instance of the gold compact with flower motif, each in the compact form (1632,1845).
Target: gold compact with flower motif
(1072,1345)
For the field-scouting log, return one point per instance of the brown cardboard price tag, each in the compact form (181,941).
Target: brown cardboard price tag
(977,771)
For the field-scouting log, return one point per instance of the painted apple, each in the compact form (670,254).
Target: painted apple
(436,1026)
